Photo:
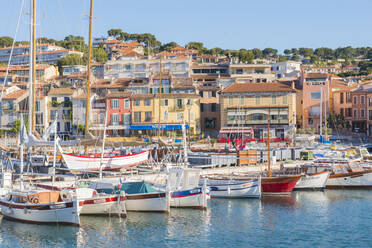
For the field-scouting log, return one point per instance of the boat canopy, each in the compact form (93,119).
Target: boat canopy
(137,188)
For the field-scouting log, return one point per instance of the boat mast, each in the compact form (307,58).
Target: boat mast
(103,146)
(268,148)
(160,79)
(321,112)
(31,78)
(89,68)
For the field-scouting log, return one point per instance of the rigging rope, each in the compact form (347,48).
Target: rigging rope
(11,54)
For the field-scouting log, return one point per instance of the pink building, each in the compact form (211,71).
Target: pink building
(119,113)
(315,87)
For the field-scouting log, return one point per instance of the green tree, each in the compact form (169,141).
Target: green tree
(115,32)
(195,45)
(168,46)
(305,51)
(246,56)
(17,127)
(282,58)
(295,57)
(257,53)
(324,53)
(287,52)
(269,52)
(71,59)
(99,54)
(6,41)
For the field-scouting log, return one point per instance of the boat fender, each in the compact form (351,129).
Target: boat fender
(9,197)
(35,200)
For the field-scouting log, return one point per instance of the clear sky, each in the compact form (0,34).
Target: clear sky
(230,24)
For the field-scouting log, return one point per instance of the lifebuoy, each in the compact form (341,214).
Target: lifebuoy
(35,200)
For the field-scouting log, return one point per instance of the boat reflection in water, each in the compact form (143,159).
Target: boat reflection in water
(276,200)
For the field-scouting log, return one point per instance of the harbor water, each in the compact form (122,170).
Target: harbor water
(333,218)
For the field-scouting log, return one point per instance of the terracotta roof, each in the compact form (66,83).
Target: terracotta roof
(166,53)
(15,94)
(178,48)
(119,94)
(24,68)
(316,75)
(81,96)
(213,88)
(109,84)
(60,91)
(112,41)
(257,87)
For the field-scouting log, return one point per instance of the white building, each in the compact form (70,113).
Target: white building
(14,103)
(251,73)
(134,67)
(283,69)
(45,53)
(74,69)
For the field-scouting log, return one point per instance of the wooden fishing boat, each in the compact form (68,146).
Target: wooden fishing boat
(139,196)
(346,174)
(46,207)
(278,185)
(312,177)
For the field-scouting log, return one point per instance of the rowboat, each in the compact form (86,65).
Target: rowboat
(47,207)
(234,188)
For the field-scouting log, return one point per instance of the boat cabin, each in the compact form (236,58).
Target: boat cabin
(36,198)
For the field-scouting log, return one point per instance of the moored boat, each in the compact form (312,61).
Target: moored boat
(278,185)
(234,188)
(45,207)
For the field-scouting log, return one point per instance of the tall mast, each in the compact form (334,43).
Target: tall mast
(159,99)
(321,112)
(31,82)
(33,64)
(268,148)
(89,65)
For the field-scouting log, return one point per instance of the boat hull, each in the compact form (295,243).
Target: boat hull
(192,198)
(316,181)
(78,164)
(350,180)
(147,202)
(56,213)
(234,189)
(278,185)
(108,206)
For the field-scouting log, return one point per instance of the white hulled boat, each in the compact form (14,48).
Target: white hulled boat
(46,207)
(226,188)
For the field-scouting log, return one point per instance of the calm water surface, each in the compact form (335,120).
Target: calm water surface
(305,219)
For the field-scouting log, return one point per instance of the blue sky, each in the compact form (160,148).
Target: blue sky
(230,24)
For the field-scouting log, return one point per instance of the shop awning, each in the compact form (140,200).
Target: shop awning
(155,126)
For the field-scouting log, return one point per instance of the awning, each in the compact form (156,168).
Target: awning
(156,126)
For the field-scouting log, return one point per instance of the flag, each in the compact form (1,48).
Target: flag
(23,137)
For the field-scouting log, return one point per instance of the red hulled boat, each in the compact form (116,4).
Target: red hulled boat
(278,185)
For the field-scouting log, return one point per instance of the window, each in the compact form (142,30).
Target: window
(179,103)
(137,116)
(53,114)
(315,111)
(361,99)
(355,114)
(355,100)
(341,97)
(125,119)
(114,103)
(148,116)
(147,102)
(179,116)
(273,99)
(126,103)
(315,95)
(202,107)
(370,115)
(285,99)
(189,102)
(214,107)
(37,106)
(342,112)
(348,112)
(137,103)
(257,99)
(231,100)
(54,99)
(239,71)
(310,121)
(115,119)
(127,67)
(165,102)
(362,113)
(67,127)
(241,100)
(101,118)
(369,102)
(210,122)
(165,116)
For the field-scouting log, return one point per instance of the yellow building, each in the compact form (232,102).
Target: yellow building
(246,109)
(175,108)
